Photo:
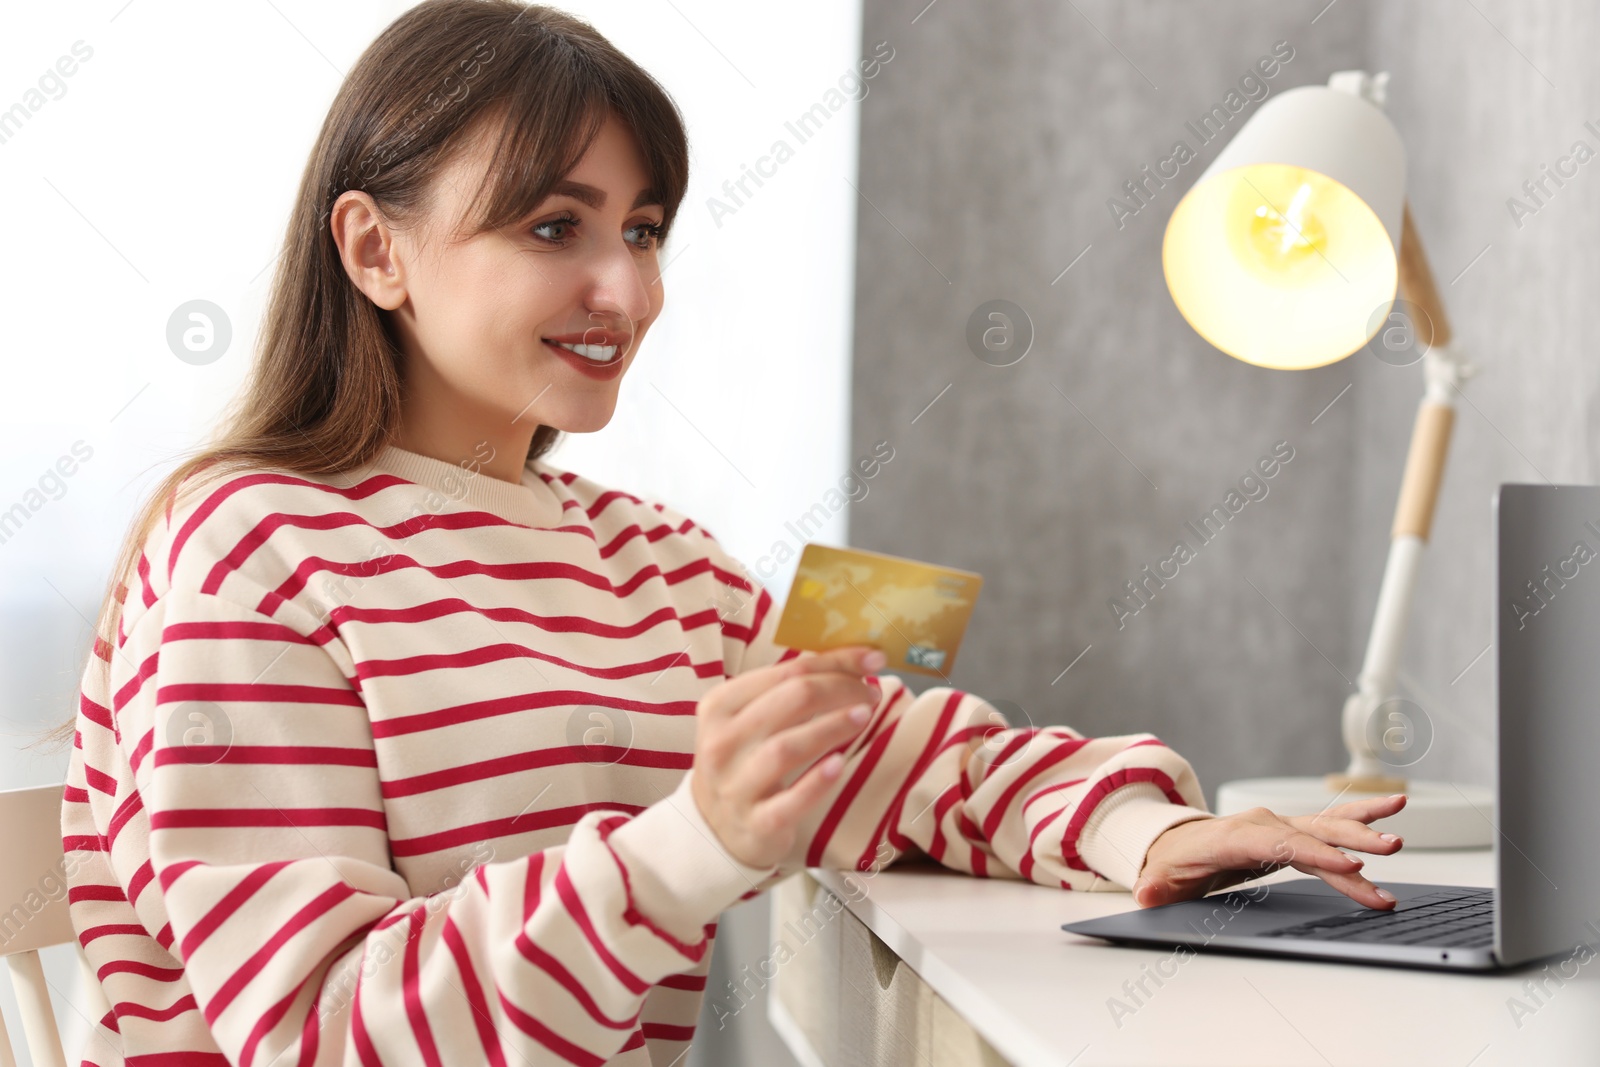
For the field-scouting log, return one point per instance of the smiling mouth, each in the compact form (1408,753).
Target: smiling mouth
(592,353)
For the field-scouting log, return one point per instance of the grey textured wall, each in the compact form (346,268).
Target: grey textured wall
(1484,98)
(991,148)
(988,157)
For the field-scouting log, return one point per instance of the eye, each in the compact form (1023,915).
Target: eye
(563,220)
(652,232)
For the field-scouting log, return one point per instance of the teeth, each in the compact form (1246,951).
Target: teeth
(593,353)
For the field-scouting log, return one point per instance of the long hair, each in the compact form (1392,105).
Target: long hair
(323,396)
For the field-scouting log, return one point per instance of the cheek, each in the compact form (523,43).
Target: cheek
(477,319)
(474,305)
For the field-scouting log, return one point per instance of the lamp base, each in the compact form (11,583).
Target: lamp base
(1436,815)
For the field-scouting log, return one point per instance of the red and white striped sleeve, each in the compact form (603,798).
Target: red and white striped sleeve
(942,772)
(253,757)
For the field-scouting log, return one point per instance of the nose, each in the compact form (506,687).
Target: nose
(619,285)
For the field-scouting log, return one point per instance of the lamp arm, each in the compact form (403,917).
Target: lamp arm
(1444,370)
(1416,283)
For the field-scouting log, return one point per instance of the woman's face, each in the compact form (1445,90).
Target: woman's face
(482,320)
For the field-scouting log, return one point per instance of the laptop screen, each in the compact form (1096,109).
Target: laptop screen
(1547,636)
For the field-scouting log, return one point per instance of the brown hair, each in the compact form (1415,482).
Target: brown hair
(324,390)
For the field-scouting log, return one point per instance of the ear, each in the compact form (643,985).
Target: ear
(367,248)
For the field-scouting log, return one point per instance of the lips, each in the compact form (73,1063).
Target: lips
(597,345)
(593,353)
(601,370)
(595,335)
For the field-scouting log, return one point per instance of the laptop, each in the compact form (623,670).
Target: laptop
(1546,620)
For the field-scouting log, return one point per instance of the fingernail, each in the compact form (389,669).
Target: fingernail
(874,660)
(1391,838)
(1357,860)
(1385,894)
(859,713)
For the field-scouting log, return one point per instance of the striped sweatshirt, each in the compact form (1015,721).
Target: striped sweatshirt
(393,766)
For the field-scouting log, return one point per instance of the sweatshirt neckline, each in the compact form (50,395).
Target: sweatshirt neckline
(532,502)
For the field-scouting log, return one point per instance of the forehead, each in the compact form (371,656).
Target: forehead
(612,158)
(613,163)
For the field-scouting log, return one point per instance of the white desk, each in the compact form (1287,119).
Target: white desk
(930,967)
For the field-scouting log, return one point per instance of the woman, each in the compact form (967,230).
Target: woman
(399,744)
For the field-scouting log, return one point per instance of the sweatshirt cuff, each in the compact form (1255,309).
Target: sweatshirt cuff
(679,874)
(1124,826)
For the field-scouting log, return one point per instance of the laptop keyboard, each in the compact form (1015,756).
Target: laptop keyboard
(1453,918)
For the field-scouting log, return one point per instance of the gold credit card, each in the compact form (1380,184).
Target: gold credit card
(915,612)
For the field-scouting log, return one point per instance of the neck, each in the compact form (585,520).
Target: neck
(448,429)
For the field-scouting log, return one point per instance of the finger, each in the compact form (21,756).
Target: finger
(1367,809)
(1348,833)
(1354,886)
(726,699)
(1284,845)
(1151,890)
(1311,855)
(794,702)
(768,767)
(1257,845)
(788,807)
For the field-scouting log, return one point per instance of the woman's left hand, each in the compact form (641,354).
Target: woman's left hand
(1194,858)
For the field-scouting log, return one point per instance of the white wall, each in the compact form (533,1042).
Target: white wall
(161,171)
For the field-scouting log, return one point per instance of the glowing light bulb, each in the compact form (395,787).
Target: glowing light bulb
(1276,225)
(1284,238)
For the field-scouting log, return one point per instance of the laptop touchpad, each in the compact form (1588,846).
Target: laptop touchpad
(1254,911)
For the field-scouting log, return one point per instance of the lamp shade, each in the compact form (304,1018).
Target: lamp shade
(1285,252)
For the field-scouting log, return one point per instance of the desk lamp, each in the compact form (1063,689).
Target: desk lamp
(1286,253)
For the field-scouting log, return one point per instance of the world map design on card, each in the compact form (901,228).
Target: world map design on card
(915,612)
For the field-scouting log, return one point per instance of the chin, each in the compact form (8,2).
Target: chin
(582,422)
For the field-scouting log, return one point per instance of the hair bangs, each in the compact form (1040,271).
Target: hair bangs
(550,118)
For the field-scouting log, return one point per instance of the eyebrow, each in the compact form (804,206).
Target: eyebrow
(596,198)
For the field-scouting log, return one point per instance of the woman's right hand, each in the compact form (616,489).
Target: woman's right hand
(756,729)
